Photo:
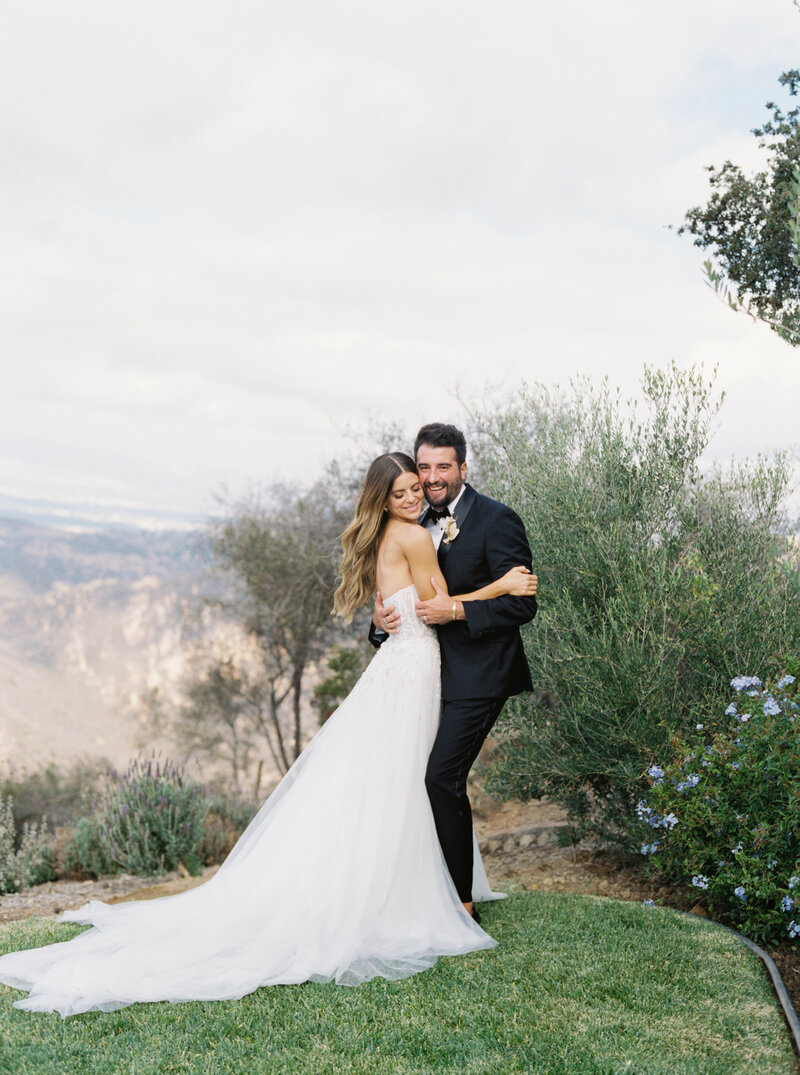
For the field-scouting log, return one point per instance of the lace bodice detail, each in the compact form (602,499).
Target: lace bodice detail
(411,626)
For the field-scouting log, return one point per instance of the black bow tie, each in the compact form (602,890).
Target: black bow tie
(440,513)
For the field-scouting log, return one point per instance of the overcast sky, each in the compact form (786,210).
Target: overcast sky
(230,230)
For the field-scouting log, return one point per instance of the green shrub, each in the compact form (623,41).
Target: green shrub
(655,580)
(84,854)
(60,795)
(32,863)
(150,818)
(226,819)
(723,816)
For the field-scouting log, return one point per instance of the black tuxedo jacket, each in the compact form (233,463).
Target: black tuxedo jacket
(482,656)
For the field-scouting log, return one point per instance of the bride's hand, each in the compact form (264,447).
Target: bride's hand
(519,582)
(385,617)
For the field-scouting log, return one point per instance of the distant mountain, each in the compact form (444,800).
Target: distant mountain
(88,620)
(91,515)
(42,556)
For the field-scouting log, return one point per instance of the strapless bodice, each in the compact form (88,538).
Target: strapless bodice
(411,626)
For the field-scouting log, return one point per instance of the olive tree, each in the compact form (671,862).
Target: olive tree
(273,559)
(276,554)
(658,582)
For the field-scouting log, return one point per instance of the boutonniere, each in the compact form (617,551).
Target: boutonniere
(451,530)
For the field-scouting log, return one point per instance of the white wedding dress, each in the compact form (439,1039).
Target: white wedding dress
(339,877)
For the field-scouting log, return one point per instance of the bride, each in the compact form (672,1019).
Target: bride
(340,876)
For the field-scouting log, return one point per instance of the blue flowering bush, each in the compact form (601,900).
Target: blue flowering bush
(150,818)
(724,815)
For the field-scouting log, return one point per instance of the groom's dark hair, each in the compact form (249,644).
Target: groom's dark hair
(441,435)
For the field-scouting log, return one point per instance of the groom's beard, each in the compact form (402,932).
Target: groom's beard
(439,497)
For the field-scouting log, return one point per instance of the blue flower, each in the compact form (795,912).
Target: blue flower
(646,813)
(705,761)
(691,781)
(731,711)
(794,929)
(744,717)
(787,679)
(650,849)
(734,765)
(648,903)
(787,903)
(771,707)
(699,881)
(740,683)
(793,881)
(699,727)
(740,892)
(737,849)
(656,773)
(772,864)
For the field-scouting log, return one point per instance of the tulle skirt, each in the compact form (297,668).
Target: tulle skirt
(339,877)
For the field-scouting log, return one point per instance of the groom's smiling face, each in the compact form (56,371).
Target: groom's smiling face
(440,474)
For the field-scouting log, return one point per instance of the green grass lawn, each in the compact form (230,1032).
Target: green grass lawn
(579,984)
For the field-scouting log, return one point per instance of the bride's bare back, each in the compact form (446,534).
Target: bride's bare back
(406,555)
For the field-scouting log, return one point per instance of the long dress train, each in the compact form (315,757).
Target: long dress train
(339,877)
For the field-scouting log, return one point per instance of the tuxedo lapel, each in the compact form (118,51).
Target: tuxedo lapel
(464,506)
(460,513)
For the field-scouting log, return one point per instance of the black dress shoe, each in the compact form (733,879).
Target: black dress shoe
(476,915)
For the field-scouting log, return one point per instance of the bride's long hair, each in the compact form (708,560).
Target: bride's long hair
(361,538)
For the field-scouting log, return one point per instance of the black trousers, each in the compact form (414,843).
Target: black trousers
(462,730)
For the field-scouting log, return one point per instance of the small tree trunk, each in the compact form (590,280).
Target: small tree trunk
(297,686)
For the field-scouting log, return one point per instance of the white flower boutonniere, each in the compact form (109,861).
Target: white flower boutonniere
(451,530)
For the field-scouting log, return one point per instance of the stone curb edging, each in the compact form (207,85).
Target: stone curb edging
(523,838)
(778,984)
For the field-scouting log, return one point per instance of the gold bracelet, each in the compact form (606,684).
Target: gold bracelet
(455,609)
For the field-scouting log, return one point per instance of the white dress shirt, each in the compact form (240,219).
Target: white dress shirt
(435,527)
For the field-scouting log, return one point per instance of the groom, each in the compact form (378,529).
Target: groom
(483,662)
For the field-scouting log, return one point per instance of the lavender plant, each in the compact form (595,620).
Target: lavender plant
(150,818)
(32,863)
(723,816)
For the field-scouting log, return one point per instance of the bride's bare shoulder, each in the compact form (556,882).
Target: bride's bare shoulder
(413,537)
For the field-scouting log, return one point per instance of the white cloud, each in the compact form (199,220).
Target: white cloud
(230,230)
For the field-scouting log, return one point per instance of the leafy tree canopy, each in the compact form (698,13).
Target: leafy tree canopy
(752,225)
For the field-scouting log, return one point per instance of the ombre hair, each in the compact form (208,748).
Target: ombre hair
(361,538)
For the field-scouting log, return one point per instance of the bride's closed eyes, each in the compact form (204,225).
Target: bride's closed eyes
(416,490)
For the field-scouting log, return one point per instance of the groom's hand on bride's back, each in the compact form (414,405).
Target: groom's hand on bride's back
(385,617)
